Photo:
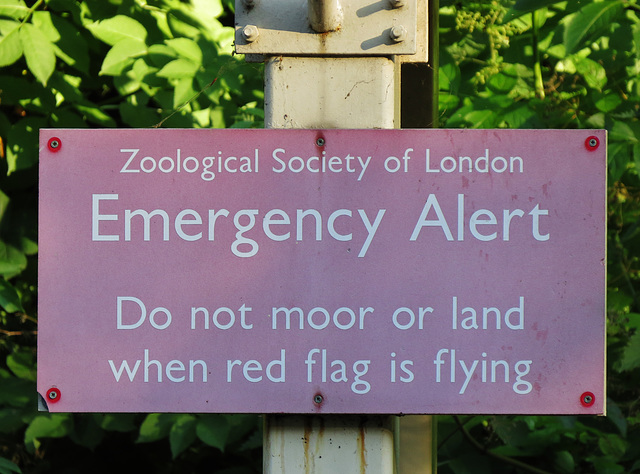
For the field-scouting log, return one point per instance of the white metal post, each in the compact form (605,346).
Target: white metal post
(329,93)
(334,64)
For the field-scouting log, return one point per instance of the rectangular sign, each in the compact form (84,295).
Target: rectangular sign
(322,271)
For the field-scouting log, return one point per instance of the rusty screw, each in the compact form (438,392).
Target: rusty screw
(318,399)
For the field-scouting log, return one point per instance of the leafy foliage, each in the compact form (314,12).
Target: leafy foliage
(553,64)
(105,63)
(130,63)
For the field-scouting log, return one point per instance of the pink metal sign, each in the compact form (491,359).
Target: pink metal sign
(329,271)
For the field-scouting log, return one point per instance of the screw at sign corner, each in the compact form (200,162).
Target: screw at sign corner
(318,399)
(592,143)
(587,399)
(54,144)
(53,395)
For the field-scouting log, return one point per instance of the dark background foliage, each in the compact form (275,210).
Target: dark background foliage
(131,63)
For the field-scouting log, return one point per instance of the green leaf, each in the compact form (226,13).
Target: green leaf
(564,462)
(117,29)
(10,47)
(9,298)
(16,9)
(22,364)
(615,415)
(186,48)
(42,20)
(480,118)
(155,427)
(183,434)
(631,356)
(72,47)
(177,69)
(213,430)
(16,392)
(208,8)
(138,116)
(12,261)
(87,431)
(183,92)
(588,20)
(502,83)
(593,73)
(636,155)
(48,426)
(182,24)
(122,55)
(612,445)
(161,54)
(607,102)
(622,131)
(521,7)
(38,51)
(22,148)
(7,467)
(93,114)
(120,422)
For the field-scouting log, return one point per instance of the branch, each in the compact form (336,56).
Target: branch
(17,333)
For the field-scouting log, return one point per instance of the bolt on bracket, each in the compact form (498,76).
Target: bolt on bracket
(326,27)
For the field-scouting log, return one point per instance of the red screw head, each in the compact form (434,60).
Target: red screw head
(592,143)
(53,395)
(54,144)
(587,399)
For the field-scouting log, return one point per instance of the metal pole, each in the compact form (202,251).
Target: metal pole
(329,93)
(310,83)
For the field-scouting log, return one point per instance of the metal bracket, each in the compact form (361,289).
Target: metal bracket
(360,27)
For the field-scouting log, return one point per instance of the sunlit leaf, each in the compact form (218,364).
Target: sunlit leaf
(178,68)
(22,144)
(10,46)
(187,49)
(12,260)
(593,72)
(38,51)
(48,426)
(117,29)
(122,55)
(43,21)
(588,20)
(154,427)
(16,9)
(522,7)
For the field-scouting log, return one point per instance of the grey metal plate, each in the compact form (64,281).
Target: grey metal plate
(283,28)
